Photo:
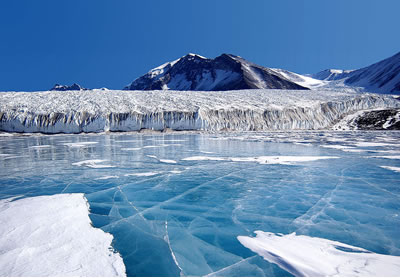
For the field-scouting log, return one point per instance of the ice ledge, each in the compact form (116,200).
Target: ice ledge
(311,256)
(53,236)
(245,110)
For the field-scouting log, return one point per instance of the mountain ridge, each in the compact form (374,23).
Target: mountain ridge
(380,77)
(223,73)
(194,72)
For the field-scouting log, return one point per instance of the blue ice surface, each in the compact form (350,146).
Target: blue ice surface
(184,219)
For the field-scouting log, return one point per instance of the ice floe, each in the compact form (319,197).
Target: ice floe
(375,144)
(130,149)
(396,169)
(40,147)
(200,158)
(387,156)
(53,236)
(311,256)
(262,159)
(79,144)
(170,161)
(144,174)
(93,163)
(339,147)
(107,177)
(175,171)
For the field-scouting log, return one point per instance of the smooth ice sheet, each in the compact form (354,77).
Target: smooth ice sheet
(183,218)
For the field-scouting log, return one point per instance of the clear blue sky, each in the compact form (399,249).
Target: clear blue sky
(100,43)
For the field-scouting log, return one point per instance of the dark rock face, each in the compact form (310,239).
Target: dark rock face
(73,87)
(226,72)
(379,120)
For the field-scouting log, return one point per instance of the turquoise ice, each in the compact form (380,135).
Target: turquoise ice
(176,203)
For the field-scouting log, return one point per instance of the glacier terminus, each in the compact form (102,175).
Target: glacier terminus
(241,110)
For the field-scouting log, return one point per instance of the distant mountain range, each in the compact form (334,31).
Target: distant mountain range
(73,87)
(331,74)
(226,72)
(193,72)
(229,72)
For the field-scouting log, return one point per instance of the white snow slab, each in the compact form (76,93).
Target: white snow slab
(170,161)
(375,144)
(53,236)
(80,144)
(93,163)
(107,177)
(396,169)
(387,156)
(144,174)
(339,147)
(262,159)
(311,256)
(40,147)
(130,149)
(202,158)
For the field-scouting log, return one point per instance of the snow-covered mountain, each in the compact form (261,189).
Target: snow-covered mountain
(226,72)
(331,74)
(381,77)
(229,72)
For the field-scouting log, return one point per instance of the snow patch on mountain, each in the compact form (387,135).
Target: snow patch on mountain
(331,74)
(303,80)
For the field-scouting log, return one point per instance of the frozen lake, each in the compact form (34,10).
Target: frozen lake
(176,203)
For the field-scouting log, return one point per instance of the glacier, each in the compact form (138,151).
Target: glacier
(176,203)
(245,110)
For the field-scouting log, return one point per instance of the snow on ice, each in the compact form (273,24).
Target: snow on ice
(311,256)
(53,236)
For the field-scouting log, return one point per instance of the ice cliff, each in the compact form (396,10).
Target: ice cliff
(99,110)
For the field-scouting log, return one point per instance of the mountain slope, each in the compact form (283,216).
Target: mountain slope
(381,77)
(302,80)
(331,74)
(226,72)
